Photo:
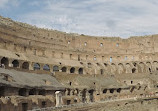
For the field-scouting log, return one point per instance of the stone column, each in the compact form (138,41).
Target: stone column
(58,98)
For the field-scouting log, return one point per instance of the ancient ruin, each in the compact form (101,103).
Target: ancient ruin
(48,69)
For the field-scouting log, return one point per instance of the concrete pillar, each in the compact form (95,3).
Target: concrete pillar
(58,98)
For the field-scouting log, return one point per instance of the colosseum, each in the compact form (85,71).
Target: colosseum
(47,70)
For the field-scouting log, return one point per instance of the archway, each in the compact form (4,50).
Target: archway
(36,66)
(149,69)
(15,63)
(5,61)
(25,65)
(46,67)
(72,70)
(63,69)
(128,68)
(104,91)
(120,68)
(134,70)
(55,68)
(80,71)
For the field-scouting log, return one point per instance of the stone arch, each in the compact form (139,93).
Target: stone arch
(120,68)
(89,65)
(149,68)
(15,63)
(107,67)
(104,91)
(5,61)
(25,65)
(141,67)
(128,68)
(63,69)
(101,71)
(134,70)
(46,67)
(72,70)
(155,66)
(55,68)
(113,68)
(119,90)
(112,90)
(80,70)
(36,66)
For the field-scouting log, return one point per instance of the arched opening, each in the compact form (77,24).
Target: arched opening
(111,90)
(91,95)
(118,90)
(55,68)
(36,66)
(128,68)
(84,95)
(5,61)
(133,70)
(22,92)
(104,91)
(80,71)
(120,68)
(25,65)
(63,69)
(101,71)
(46,67)
(72,70)
(89,65)
(15,63)
(32,92)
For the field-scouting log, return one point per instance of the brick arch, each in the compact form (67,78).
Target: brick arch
(121,68)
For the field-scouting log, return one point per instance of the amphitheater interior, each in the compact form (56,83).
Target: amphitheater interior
(43,68)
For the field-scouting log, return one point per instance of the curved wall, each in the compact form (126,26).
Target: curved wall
(54,47)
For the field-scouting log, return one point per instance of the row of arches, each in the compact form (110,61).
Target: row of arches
(133,67)
(36,66)
(15,63)
(56,68)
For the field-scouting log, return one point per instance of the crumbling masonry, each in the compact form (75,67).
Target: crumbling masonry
(46,68)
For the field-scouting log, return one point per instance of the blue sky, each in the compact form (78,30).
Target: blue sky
(122,18)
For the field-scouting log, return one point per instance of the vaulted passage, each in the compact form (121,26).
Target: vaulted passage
(80,71)
(25,65)
(5,61)
(15,63)
(104,91)
(134,70)
(91,95)
(72,70)
(63,69)
(36,66)
(55,68)
(46,67)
